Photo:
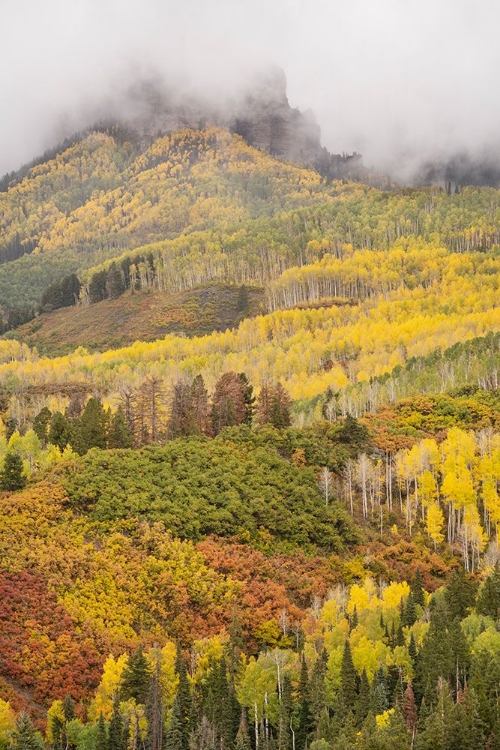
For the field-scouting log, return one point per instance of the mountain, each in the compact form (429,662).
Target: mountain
(249,442)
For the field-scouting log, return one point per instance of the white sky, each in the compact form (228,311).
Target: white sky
(398,80)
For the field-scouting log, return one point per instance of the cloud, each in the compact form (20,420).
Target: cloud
(399,80)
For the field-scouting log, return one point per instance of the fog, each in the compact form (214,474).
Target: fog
(401,81)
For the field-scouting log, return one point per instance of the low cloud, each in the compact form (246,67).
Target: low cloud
(401,81)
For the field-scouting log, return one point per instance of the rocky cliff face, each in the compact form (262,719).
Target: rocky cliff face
(262,115)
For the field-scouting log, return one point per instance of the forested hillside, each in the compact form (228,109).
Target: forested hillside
(249,454)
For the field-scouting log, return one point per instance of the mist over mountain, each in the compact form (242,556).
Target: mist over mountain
(403,84)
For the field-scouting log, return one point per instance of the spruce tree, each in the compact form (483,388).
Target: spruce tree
(25,736)
(348,680)
(154,710)
(12,476)
(363,704)
(285,715)
(116,734)
(41,424)
(488,600)
(417,589)
(101,738)
(460,594)
(136,678)
(305,718)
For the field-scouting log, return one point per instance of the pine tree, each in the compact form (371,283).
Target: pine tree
(379,694)
(285,715)
(460,594)
(488,600)
(363,705)
(154,712)
(417,589)
(101,738)
(317,696)
(136,678)
(279,411)
(305,718)
(180,727)
(200,408)
(119,432)
(232,402)
(116,733)
(41,425)
(409,613)
(92,427)
(348,680)
(69,708)
(60,432)
(12,476)
(243,736)
(25,736)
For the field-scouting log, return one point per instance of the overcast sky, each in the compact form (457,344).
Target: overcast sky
(393,79)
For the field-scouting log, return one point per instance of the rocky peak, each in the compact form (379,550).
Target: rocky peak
(261,114)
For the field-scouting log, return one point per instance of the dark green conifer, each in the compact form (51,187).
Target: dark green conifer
(285,715)
(60,432)
(488,600)
(305,717)
(460,594)
(136,678)
(348,680)
(41,424)
(417,589)
(409,613)
(101,738)
(119,432)
(379,694)
(116,733)
(25,736)
(12,476)
(363,705)
(243,736)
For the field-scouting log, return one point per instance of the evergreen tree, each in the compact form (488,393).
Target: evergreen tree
(460,594)
(116,733)
(417,589)
(305,718)
(25,736)
(41,425)
(199,406)
(279,411)
(379,694)
(488,600)
(243,736)
(409,613)
(182,710)
(92,426)
(363,705)
(248,398)
(285,715)
(101,739)
(354,435)
(154,711)
(119,433)
(136,678)
(60,432)
(348,680)
(12,475)
(242,304)
(69,708)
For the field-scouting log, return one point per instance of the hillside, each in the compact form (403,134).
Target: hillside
(143,316)
(249,451)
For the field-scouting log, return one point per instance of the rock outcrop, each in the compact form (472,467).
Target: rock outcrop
(262,115)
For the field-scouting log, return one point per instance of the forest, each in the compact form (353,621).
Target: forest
(259,509)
